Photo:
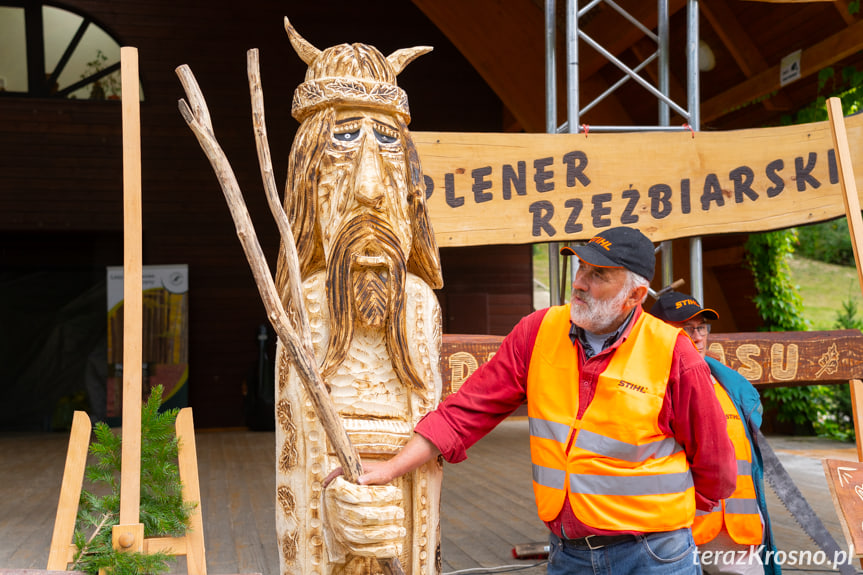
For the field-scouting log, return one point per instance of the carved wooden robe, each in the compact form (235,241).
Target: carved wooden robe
(379,413)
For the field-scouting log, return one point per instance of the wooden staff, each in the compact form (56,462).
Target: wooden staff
(129,533)
(297,336)
(855,225)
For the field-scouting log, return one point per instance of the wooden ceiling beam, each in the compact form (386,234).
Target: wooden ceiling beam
(740,45)
(735,39)
(812,60)
(505,41)
(508,49)
(843,7)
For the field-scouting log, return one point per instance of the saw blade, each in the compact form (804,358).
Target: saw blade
(791,497)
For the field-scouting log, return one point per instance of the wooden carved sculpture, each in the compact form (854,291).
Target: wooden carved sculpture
(353,295)
(368,262)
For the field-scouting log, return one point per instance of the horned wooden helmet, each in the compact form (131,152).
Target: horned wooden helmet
(350,74)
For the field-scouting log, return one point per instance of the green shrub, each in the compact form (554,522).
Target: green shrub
(828,242)
(162,509)
(781,308)
(777,301)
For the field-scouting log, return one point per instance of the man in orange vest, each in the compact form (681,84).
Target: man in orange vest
(734,536)
(627,437)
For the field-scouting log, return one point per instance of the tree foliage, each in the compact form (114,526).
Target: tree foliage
(821,407)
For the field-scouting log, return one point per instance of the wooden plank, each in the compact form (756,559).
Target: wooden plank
(845,480)
(526,188)
(767,359)
(857,411)
(461,355)
(70,492)
(130,475)
(846,182)
(779,359)
(196,558)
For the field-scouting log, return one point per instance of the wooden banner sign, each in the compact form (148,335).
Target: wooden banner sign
(461,355)
(767,359)
(526,188)
(791,358)
(845,479)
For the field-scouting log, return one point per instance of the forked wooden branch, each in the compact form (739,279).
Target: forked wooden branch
(299,348)
(298,342)
(263,147)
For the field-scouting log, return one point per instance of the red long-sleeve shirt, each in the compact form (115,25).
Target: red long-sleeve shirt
(690,413)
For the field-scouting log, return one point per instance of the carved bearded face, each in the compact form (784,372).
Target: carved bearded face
(363,176)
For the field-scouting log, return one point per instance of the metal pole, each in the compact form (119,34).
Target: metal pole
(664,120)
(572,65)
(572,86)
(662,28)
(693,95)
(551,128)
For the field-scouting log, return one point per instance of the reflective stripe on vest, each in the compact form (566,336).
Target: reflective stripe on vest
(621,471)
(739,513)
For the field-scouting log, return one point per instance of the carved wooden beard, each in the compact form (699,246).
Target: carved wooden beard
(355,291)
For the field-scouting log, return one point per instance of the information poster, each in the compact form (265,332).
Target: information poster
(165,335)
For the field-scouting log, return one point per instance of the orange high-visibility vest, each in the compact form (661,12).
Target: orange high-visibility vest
(619,469)
(740,511)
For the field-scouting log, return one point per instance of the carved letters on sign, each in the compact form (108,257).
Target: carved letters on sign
(527,188)
(603,209)
(782,362)
(768,359)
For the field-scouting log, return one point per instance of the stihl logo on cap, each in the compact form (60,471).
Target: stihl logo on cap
(684,302)
(603,243)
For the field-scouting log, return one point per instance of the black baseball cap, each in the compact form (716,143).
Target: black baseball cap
(620,247)
(678,307)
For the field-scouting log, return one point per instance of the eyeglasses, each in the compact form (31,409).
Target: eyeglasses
(701,330)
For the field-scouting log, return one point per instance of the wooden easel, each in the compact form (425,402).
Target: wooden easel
(855,225)
(128,535)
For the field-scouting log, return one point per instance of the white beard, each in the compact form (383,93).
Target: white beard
(597,317)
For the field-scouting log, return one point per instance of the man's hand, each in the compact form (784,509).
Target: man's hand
(416,452)
(365,520)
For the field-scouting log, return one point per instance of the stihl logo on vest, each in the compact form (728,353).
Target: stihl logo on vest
(627,385)
(732,416)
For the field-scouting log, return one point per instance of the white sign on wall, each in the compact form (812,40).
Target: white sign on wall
(789,68)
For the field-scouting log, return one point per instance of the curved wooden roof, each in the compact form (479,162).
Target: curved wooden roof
(505,41)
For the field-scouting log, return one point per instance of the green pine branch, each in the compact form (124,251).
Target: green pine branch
(162,509)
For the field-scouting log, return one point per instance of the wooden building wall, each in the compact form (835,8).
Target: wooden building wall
(61,166)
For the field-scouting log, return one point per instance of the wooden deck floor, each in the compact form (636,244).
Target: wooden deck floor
(487,503)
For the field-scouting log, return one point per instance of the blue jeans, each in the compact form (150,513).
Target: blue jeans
(668,553)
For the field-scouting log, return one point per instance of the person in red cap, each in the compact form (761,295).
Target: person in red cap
(627,437)
(735,536)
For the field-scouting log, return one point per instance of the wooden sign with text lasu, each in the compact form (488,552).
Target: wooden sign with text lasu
(845,479)
(526,188)
(767,359)
(461,355)
(791,358)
